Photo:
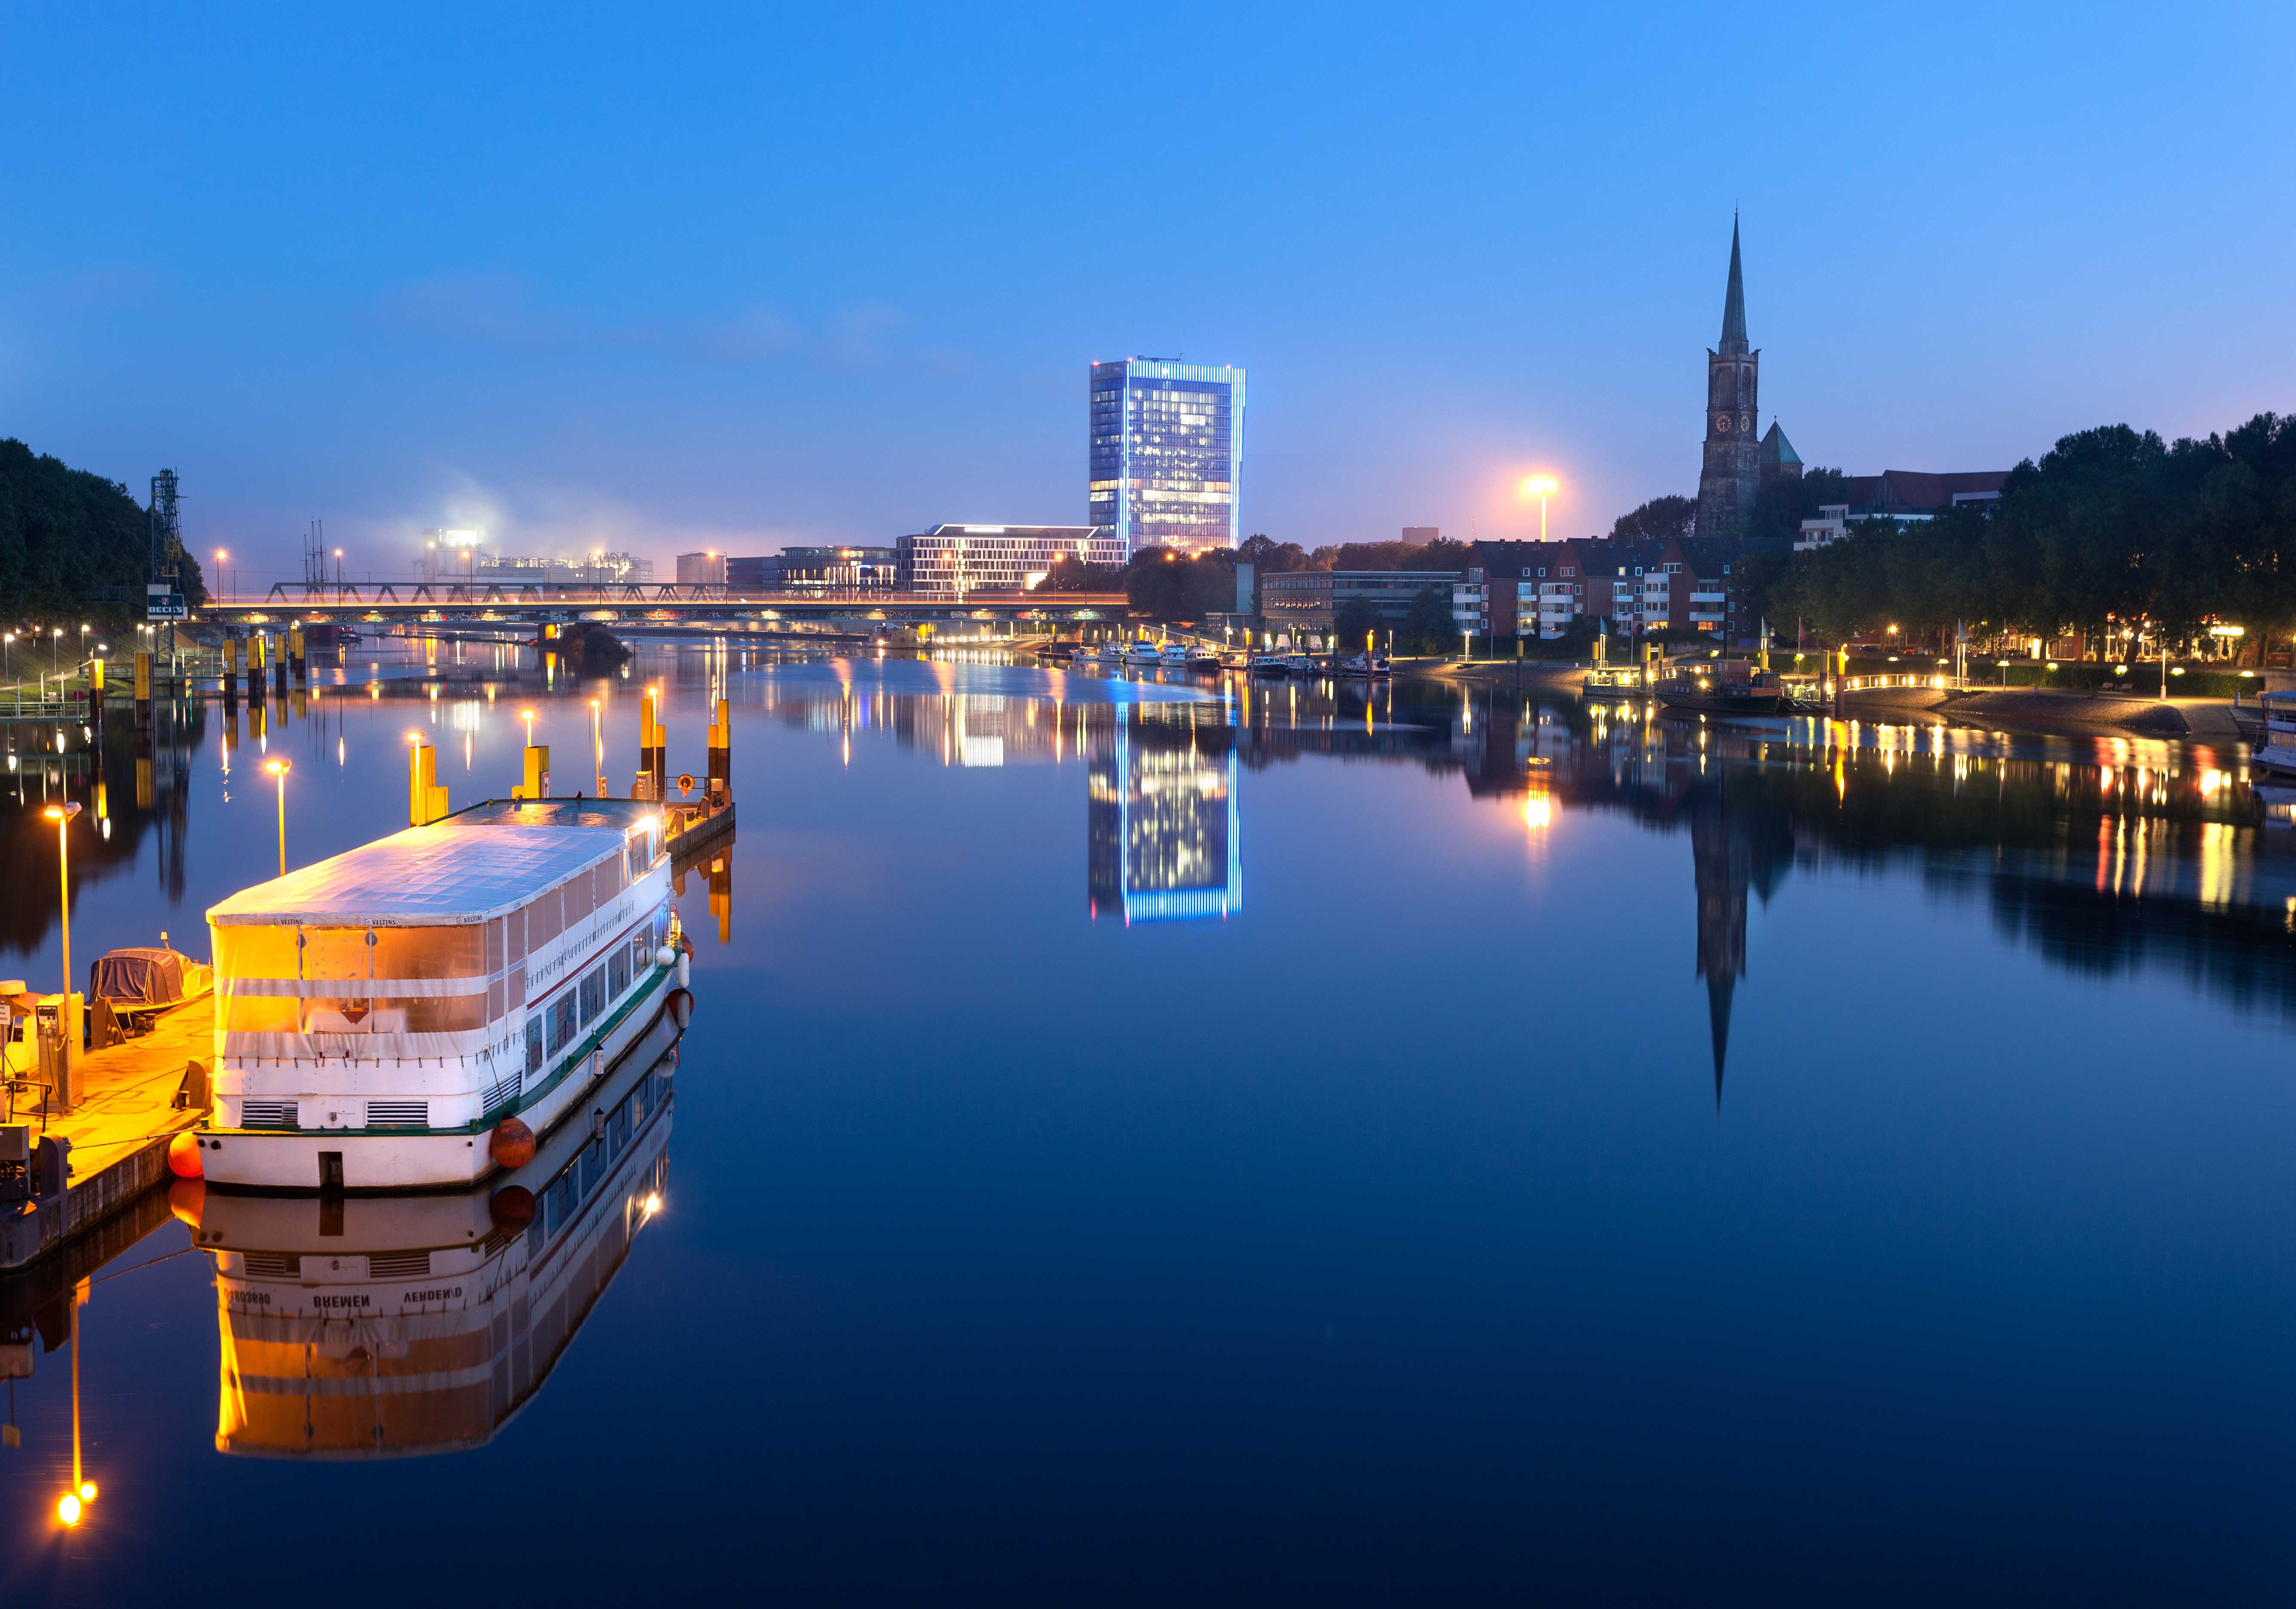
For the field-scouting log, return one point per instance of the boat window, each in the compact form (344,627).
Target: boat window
(617,972)
(514,927)
(335,954)
(259,1014)
(495,945)
(534,1044)
(457,952)
(254,952)
(563,1026)
(593,995)
(542,921)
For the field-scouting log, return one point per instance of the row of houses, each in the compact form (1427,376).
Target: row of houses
(1536,589)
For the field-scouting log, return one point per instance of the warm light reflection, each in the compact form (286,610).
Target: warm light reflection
(1538,812)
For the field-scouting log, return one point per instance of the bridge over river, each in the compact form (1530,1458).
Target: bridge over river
(701,606)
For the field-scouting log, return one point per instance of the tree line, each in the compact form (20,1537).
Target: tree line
(67,537)
(2111,527)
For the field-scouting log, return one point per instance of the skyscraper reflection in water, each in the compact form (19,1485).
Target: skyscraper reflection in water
(1164,832)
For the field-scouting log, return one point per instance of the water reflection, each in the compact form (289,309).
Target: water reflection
(379,1327)
(1164,821)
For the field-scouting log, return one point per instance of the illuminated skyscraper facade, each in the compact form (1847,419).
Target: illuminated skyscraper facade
(1168,453)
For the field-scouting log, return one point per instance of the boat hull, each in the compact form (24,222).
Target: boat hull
(1711,704)
(373,1161)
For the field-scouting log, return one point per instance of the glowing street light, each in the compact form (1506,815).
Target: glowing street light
(1539,487)
(526,715)
(279,769)
(62,815)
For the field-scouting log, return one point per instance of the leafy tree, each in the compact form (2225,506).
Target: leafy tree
(1657,520)
(1164,584)
(1067,576)
(1441,554)
(66,535)
(1351,620)
(1269,557)
(1428,628)
(1785,502)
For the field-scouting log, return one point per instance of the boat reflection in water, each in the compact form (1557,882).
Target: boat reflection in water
(392,1325)
(1164,830)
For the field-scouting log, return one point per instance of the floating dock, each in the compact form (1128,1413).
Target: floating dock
(118,1127)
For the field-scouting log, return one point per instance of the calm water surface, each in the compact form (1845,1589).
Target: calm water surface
(1142,1141)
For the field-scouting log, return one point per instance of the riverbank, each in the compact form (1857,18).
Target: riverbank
(2048,713)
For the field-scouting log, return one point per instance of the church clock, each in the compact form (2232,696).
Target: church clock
(1722,423)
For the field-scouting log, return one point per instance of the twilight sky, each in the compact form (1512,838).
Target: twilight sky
(664,279)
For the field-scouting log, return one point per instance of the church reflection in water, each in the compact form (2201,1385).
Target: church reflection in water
(2107,857)
(388,1325)
(1163,819)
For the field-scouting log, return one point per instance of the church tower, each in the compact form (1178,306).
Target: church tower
(1732,475)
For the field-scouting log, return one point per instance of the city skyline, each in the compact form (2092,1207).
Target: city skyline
(699,319)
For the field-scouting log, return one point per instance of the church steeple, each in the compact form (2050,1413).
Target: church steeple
(1734,303)
(1730,479)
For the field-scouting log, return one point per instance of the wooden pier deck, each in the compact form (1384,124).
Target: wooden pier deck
(121,1120)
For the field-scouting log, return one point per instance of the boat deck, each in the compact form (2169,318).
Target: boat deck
(122,1117)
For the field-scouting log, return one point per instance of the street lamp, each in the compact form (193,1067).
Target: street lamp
(62,815)
(279,769)
(526,715)
(1538,487)
(220,557)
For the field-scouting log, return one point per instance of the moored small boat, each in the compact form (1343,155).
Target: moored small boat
(1268,665)
(1144,652)
(1711,695)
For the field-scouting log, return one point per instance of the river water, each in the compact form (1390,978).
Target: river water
(1142,1140)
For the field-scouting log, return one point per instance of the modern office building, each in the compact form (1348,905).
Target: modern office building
(821,570)
(702,570)
(1167,453)
(1311,600)
(954,559)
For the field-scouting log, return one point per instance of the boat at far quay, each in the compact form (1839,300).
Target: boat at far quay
(418,1012)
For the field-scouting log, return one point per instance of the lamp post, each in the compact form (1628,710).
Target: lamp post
(598,748)
(220,557)
(1539,487)
(279,769)
(62,815)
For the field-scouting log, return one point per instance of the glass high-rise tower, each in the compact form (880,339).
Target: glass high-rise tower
(1168,452)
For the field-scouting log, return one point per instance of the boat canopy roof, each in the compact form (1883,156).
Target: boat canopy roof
(483,863)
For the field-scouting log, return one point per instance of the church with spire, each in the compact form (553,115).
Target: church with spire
(1737,465)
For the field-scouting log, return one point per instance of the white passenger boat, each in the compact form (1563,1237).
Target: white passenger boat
(414,1013)
(1173,656)
(383,1326)
(2275,748)
(1144,652)
(1111,650)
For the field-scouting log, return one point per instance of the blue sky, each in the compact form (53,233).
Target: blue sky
(668,279)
